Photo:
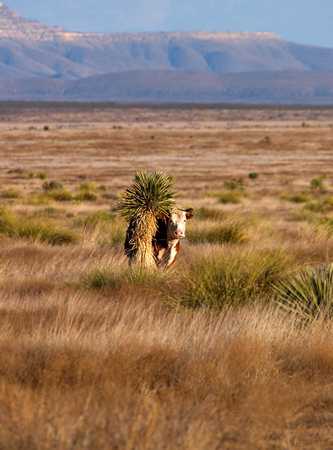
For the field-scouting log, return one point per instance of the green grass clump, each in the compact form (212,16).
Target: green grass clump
(52,186)
(41,175)
(61,195)
(26,228)
(322,205)
(253,175)
(296,197)
(234,185)
(108,279)
(87,192)
(231,232)
(88,186)
(231,278)
(10,194)
(318,184)
(86,196)
(102,279)
(308,294)
(232,197)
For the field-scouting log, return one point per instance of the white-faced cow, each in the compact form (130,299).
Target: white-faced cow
(166,243)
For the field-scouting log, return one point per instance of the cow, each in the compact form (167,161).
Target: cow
(166,242)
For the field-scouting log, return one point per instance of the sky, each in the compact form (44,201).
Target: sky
(304,21)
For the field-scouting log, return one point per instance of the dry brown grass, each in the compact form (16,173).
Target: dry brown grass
(116,362)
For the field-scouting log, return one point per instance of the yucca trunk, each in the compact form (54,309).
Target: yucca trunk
(145,230)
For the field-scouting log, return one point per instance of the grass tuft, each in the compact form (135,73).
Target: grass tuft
(231,232)
(308,294)
(10,194)
(232,278)
(26,228)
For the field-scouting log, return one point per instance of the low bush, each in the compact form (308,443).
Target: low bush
(230,278)
(308,294)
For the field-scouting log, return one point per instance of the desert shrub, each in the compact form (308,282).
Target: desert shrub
(37,199)
(88,186)
(253,175)
(86,196)
(317,184)
(308,294)
(26,228)
(41,175)
(234,185)
(296,197)
(230,279)
(61,195)
(320,205)
(10,194)
(52,186)
(87,192)
(266,140)
(233,197)
(230,232)
(209,214)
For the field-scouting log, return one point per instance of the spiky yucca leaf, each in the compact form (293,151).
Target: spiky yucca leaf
(309,294)
(149,198)
(150,193)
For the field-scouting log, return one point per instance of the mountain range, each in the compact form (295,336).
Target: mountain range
(38,62)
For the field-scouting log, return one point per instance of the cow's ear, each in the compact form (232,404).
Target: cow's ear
(189,213)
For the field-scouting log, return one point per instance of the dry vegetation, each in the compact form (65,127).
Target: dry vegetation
(95,356)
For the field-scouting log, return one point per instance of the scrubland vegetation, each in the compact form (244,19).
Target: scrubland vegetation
(230,349)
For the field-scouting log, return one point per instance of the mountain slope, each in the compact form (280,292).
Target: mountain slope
(43,62)
(30,49)
(177,86)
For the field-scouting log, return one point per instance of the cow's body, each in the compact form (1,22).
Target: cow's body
(166,242)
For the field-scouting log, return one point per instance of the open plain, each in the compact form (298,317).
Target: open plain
(203,357)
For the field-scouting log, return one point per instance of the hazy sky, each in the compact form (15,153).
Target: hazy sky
(309,21)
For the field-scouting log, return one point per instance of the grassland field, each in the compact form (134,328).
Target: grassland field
(204,357)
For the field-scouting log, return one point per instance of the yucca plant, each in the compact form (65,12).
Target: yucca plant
(151,197)
(308,294)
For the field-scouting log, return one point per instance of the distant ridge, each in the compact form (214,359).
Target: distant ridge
(41,62)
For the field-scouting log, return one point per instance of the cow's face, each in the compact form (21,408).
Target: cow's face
(177,224)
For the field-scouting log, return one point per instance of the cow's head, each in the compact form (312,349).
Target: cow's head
(177,223)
